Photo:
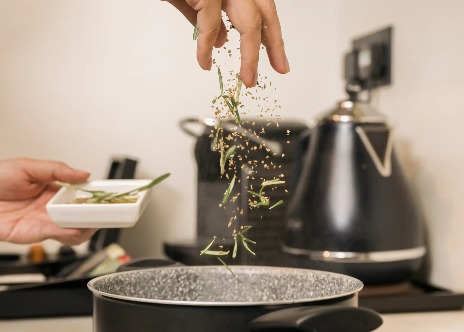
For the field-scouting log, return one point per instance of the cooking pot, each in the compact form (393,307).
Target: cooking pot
(212,299)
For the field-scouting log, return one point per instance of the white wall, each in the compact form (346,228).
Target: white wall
(425,105)
(83,80)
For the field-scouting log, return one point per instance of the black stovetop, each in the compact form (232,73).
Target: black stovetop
(411,296)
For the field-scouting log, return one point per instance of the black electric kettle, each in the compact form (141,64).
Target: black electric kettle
(352,210)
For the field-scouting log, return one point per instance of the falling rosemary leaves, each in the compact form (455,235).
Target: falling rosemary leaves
(264,200)
(238,236)
(234,148)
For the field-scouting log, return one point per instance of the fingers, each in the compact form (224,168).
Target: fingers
(189,13)
(256,21)
(246,18)
(218,33)
(67,236)
(28,222)
(222,36)
(73,236)
(46,229)
(46,171)
(209,25)
(272,36)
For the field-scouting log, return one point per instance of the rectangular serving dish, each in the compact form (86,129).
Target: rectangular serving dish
(67,214)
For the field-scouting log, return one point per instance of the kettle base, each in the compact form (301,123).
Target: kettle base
(368,273)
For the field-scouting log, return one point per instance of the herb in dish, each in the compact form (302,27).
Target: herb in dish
(105,197)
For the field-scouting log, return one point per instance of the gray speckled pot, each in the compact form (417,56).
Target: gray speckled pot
(212,299)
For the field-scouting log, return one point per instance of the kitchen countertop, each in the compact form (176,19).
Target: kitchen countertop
(445,321)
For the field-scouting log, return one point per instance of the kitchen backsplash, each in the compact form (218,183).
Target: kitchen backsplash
(85,80)
(424,105)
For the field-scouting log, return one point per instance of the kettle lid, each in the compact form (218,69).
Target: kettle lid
(349,111)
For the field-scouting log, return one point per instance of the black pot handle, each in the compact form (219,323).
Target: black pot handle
(328,318)
(146,263)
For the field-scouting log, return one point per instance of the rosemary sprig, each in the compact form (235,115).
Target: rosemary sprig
(227,266)
(208,246)
(237,99)
(277,204)
(215,145)
(240,235)
(146,187)
(225,156)
(239,89)
(229,190)
(196,30)
(264,200)
(218,253)
(207,250)
(271,183)
(221,83)
(232,104)
(231,101)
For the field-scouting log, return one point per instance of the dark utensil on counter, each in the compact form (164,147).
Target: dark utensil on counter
(211,299)
(352,211)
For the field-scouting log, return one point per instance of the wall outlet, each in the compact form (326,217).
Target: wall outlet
(368,65)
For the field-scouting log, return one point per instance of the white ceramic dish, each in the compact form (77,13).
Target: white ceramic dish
(66,214)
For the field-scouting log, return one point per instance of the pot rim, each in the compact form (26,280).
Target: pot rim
(358,286)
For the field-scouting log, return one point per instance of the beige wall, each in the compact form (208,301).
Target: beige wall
(83,80)
(425,106)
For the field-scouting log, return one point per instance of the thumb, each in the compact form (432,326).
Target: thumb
(46,171)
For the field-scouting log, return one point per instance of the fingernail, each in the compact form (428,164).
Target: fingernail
(287,65)
(210,63)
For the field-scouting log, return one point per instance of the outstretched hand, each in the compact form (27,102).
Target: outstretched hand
(25,189)
(256,21)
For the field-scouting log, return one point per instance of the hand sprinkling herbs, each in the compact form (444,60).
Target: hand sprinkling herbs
(245,16)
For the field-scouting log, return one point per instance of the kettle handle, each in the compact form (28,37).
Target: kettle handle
(301,151)
(273,146)
(185,124)
(383,166)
